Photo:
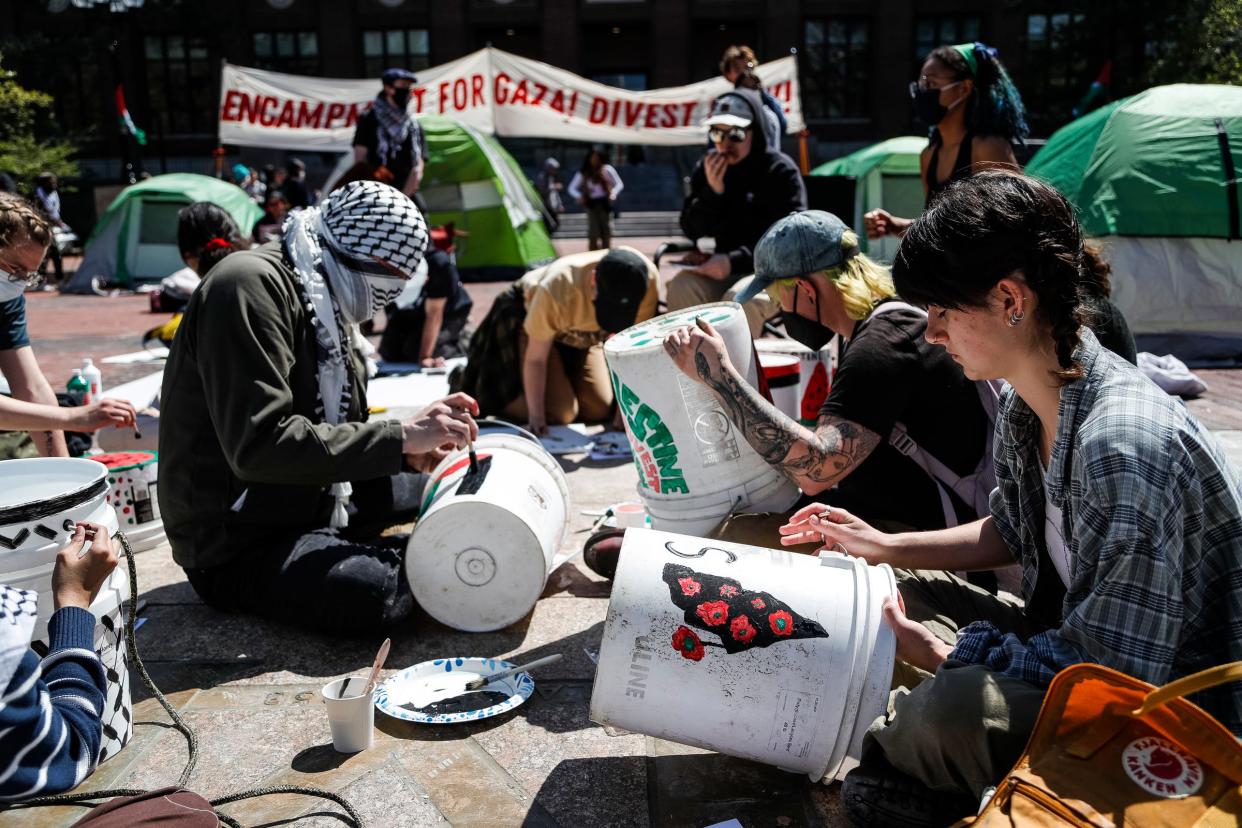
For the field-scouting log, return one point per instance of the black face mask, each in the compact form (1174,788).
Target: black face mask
(810,333)
(401,97)
(927,106)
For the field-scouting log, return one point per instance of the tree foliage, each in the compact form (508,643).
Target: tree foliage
(29,140)
(1204,45)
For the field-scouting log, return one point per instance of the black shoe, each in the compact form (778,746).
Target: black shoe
(602,550)
(876,795)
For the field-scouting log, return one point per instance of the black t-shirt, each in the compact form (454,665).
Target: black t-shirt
(400,165)
(443,282)
(889,373)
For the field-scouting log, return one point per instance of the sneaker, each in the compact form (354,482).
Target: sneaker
(876,795)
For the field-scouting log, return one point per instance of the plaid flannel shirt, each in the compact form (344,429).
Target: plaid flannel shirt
(1152,517)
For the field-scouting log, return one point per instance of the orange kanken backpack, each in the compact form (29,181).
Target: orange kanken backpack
(1110,750)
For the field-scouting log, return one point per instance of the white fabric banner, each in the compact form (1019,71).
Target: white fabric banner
(490,90)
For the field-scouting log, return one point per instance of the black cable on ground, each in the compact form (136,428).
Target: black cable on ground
(92,798)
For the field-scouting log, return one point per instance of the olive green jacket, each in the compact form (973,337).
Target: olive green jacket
(243,457)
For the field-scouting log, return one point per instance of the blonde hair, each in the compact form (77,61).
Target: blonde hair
(862,283)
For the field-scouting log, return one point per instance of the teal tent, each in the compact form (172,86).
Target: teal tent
(135,241)
(1155,177)
(886,175)
(471,181)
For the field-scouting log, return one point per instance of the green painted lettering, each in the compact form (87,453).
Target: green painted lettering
(674,486)
(660,437)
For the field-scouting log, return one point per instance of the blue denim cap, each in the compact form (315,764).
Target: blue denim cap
(798,244)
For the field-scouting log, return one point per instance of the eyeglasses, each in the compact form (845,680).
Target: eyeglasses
(718,135)
(920,85)
(28,279)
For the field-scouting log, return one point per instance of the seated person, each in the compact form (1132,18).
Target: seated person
(264,422)
(271,224)
(888,374)
(430,330)
(205,235)
(51,722)
(24,239)
(538,356)
(736,192)
(1121,508)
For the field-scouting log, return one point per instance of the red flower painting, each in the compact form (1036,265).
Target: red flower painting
(689,586)
(759,603)
(781,622)
(742,630)
(713,613)
(688,644)
(729,591)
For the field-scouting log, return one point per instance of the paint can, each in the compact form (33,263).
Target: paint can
(815,372)
(694,467)
(782,373)
(40,501)
(763,654)
(485,541)
(133,478)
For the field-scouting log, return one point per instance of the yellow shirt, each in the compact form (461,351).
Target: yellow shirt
(560,299)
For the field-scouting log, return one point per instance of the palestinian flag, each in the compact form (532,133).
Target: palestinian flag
(1097,92)
(127,120)
(742,618)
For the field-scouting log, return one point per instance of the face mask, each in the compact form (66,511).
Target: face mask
(382,292)
(927,106)
(810,332)
(401,96)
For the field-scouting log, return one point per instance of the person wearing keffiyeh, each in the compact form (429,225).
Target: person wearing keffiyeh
(388,144)
(276,487)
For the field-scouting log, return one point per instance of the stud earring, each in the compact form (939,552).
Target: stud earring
(1015,318)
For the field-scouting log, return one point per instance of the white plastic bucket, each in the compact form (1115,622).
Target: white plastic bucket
(816,370)
(40,501)
(811,661)
(133,478)
(783,374)
(478,561)
(694,468)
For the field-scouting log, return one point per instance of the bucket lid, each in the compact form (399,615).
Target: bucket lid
(650,334)
(38,487)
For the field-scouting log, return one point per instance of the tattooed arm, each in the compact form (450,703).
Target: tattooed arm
(815,460)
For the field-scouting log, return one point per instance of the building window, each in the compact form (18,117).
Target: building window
(180,85)
(943,30)
(835,77)
(401,48)
(293,52)
(1056,67)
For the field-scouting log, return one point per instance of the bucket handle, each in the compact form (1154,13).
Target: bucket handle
(521,431)
(669,546)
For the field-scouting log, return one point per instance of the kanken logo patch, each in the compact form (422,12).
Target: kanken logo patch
(1162,768)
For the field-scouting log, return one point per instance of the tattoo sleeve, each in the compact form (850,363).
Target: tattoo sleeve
(814,460)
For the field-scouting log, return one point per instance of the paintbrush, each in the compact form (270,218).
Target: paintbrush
(474,458)
(483,681)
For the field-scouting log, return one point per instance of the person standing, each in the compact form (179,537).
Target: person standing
(47,193)
(295,185)
(549,185)
(976,116)
(596,187)
(737,66)
(388,139)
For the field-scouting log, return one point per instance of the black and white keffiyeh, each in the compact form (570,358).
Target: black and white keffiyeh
(18,612)
(353,254)
(393,125)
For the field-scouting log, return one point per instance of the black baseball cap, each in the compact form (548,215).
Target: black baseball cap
(620,285)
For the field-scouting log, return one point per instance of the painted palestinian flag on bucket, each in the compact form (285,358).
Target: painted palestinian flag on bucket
(742,618)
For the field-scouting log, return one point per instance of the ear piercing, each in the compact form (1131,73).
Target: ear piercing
(1015,318)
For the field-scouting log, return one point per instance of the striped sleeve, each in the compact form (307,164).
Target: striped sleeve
(50,714)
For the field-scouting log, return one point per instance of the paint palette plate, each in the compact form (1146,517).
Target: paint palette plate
(493,699)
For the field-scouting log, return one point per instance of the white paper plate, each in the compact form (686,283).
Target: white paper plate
(517,688)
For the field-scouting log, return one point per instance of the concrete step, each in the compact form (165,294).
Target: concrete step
(629,225)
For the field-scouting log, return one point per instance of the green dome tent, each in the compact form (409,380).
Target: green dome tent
(886,175)
(135,240)
(469,180)
(1155,178)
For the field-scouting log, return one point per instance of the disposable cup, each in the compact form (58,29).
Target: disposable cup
(352,718)
(631,516)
